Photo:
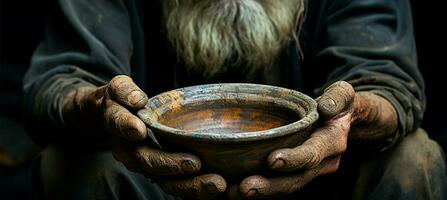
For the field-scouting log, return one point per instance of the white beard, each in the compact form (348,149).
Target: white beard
(210,35)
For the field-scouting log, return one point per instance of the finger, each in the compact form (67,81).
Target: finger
(127,93)
(207,186)
(123,152)
(161,163)
(336,99)
(268,187)
(123,123)
(327,141)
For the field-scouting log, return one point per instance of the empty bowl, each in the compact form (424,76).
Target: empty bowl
(232,127)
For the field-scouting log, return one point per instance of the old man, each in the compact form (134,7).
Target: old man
(100,60)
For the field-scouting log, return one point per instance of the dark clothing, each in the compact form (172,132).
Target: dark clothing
(368,43)
(65,173)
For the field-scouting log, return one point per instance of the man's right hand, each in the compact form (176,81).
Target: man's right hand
(107,111)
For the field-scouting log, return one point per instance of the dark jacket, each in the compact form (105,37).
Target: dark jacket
(369,43)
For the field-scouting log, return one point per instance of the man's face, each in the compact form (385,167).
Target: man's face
(211,35)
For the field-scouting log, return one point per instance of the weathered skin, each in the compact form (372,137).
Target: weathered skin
(107,112)
(362,116)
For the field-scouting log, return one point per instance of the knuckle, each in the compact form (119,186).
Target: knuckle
(119,79)
(341,86)
(316,153)
(345,85)
(119,84)
(115,83)
(309,157)
(313,160)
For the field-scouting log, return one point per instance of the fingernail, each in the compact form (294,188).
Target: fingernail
(135,97)
(328,104)
(188,166)
(251,193)
(278,164)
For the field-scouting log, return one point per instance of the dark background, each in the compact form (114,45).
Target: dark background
(21,28)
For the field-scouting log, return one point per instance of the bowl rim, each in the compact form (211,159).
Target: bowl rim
(310,118)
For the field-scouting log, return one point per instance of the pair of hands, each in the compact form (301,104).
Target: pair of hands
(98,112)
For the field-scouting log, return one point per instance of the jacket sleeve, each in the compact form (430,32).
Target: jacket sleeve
(86,43)
(370,44)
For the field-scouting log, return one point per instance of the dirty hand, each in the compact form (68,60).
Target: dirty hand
(108,111)
(345,114)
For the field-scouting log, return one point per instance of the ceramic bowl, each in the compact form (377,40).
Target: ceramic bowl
(231,127)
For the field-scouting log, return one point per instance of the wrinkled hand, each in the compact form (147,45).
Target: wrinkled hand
(107,110)
(361,116)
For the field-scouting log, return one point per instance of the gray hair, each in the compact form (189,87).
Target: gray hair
(210,35)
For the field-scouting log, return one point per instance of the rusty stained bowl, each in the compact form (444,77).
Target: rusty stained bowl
(231,127)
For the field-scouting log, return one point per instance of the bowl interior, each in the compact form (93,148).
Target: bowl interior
(228,117)
(229,112)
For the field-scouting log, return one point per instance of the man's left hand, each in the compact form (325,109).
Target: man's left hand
(344,114)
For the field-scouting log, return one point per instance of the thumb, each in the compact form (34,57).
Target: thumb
(123,90)
(336,99)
